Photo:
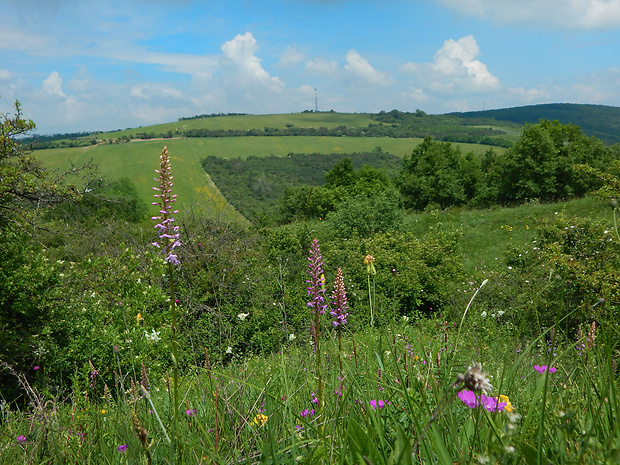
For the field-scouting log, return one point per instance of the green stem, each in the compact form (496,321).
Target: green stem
(372,315)
(175,350)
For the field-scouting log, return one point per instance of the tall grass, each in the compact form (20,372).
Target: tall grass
(382,402)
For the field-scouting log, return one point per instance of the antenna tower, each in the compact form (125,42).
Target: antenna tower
(316,102)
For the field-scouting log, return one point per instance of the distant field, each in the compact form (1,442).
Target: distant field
(137,160)
(302,120)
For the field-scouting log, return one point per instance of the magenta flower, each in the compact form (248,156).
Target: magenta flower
(378,404)
(191,412)
(492,404)
(306,413)
(469,398)
(543,368)
(36,367)
(21,438)
(122,448)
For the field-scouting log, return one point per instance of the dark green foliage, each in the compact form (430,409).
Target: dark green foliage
(413,274)
(599,121)
(540,164)
(27,307)
(260,186)
(447,128)
(432,175)
(104,201)
(365,214)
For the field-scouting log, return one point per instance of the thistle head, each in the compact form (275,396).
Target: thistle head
(474,379)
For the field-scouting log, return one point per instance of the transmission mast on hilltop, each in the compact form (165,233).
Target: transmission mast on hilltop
(316,102)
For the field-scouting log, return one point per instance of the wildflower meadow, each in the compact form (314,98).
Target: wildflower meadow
(195,341)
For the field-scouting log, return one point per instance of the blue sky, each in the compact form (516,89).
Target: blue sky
(83,66)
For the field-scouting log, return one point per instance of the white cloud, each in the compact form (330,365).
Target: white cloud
(52,85)
(5,74)
(243,67)
(455,69)
(530,96)
(291,57)
(361,68)
(322,67)
(567,14)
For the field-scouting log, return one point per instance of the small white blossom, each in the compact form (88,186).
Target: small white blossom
(292,337)
(229,350)
(405,318)
(153,336)
(243,316)
(483,314)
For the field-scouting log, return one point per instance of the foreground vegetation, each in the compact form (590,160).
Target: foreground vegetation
(354,338)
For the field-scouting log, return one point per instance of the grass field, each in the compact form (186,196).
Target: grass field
(137,160)
(488,233)
(303,120)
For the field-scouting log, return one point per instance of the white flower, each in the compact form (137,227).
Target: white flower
(483,314)
(292,337)
(229,350)
(153,336)
(500,313)
(405,318)
(243,316)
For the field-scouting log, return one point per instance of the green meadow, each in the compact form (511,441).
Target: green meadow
(453,336)
(134,160)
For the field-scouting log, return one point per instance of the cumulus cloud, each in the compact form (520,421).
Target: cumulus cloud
(530,96)
(52,85)
(455,69)
(5,74)
(243,67)
(362,69)
(291,57)
(569,14)
(322,67)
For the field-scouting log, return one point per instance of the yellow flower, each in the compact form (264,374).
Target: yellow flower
(259,420)
(104,411)
(503,398)
(139,318)
(369,261)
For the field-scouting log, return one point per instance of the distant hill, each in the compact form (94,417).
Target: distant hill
(594,120)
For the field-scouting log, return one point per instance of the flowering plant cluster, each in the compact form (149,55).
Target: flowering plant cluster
(339,301)
(168,232)
(492,404)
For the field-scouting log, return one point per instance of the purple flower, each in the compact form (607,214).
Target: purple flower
(315,399)
(36,367)
(21,438)
(306,413)
(317,279)
(492,404)
(168,233)
(377,404)
(191,412)
(339,301)
(122,448)
(472,400)
(543,368)
(469,398)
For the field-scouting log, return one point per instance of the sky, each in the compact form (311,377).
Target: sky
(78,65)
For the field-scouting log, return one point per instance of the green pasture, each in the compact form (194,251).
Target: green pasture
(137,160)
(242,122)
(488,233)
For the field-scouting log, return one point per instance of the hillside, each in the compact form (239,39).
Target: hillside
(595,120)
